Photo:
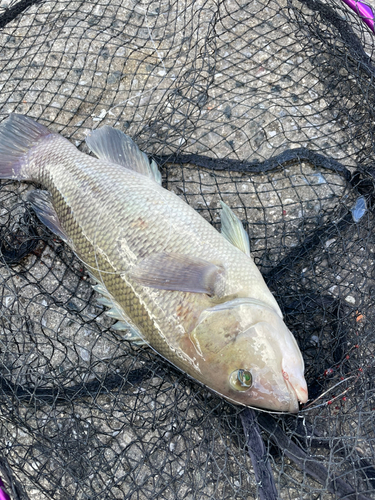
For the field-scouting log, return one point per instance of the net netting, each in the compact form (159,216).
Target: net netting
(267,105)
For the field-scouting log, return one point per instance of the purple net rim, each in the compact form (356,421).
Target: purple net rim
(3,494)
(364,11)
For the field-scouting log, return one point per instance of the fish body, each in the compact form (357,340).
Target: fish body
(170,278)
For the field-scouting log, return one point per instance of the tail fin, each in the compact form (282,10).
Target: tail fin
(18,134)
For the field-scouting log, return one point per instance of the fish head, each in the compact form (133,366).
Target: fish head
(249,356)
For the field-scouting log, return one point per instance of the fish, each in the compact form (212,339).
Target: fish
(169,278)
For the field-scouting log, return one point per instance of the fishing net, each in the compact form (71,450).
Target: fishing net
(267,105)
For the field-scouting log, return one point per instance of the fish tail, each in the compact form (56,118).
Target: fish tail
(18,134)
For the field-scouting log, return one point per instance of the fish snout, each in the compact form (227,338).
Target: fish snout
(301,391)
(297,386)
(293,367)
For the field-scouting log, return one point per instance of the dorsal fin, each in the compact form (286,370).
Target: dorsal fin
(232,229)
(110,144)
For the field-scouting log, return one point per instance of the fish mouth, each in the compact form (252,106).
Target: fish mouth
(301,392)
(298,393)
(293,398)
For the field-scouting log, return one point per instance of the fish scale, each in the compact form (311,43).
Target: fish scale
(193,295)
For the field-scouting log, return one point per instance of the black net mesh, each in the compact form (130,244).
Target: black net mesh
(268,106)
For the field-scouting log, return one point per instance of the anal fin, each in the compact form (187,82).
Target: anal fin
(123,326)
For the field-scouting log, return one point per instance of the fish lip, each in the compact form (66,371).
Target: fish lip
(297,388)
(294,400)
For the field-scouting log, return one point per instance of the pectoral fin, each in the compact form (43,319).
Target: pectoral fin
(112,145)
(172,271)
(41,202)
(232,229)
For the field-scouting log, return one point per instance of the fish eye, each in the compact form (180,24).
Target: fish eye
(241,380)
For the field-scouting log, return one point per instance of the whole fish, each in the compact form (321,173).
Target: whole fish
(173,282)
